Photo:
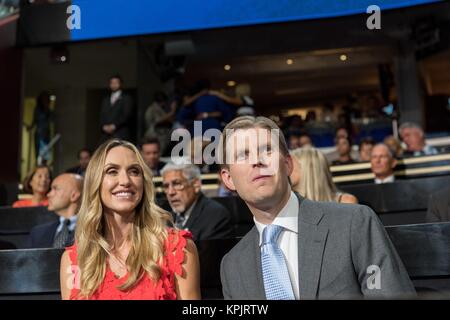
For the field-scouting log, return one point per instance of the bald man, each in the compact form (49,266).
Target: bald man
(382,162)
(64,199)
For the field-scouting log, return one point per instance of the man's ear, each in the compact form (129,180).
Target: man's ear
(75,196)
(227,179)
(289,164)
(394,163)
(197,184)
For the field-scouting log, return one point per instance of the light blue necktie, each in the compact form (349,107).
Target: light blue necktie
(277,283)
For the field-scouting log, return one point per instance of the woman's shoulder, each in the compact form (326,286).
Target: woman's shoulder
(22,203)
(175,245)
(29,203)
(347,198)
(71,253)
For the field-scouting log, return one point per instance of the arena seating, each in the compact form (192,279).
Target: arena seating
(423,248)
(401,202)
(16,223)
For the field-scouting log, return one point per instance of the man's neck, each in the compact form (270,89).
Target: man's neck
(67,213)
(267,213)
(384,177)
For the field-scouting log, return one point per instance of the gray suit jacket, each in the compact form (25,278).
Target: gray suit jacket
(336,245)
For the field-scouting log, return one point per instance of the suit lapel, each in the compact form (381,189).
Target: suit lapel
(51,234)
(311,244)
(250,268)
(195,213)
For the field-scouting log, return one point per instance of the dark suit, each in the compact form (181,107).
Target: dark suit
(439,206)
(336,245)
(42,236)
(119,114)
(209,220)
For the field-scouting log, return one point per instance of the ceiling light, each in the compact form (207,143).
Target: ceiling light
(343,57)
(231,83)
(289,61)
(227,67)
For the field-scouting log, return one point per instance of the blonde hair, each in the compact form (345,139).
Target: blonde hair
(316,182)
(147,235)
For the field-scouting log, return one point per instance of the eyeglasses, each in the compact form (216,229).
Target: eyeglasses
(177,185)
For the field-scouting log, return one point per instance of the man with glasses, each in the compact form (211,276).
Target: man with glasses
(205,218)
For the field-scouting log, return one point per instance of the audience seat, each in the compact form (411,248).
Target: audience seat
(16,223)
(401,202)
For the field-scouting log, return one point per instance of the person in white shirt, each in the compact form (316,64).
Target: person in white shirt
(414,139)
(382,163)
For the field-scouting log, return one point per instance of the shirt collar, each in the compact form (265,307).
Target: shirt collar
(73,222)
(286,218)
(388,179)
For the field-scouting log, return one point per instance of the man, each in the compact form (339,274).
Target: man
(414,138)
(344,149)
(84,156)
(64,199)
(205,218)
(382,164)
(332,250)
(116,112)
(150,150)
(365,149)
(439,206)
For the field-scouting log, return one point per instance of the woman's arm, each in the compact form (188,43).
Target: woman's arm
(65,276)
(188,285)
(349,198)
(231,100)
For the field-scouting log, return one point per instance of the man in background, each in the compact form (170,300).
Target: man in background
(64,199)
(84,156)
(414,138)
(116,112)
(192,210)
(382,163)
(151,152)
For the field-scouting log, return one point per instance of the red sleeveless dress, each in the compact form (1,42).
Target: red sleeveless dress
(145,289)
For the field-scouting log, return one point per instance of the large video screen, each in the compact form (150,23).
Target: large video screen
(117,18)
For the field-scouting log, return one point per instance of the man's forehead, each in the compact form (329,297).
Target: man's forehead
(174,175)
(252,136)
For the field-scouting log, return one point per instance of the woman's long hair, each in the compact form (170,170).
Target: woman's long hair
(316,182)
(147,235)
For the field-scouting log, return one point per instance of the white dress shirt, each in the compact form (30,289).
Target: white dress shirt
(72,225)
(388,179)
(288,239)
(115,96)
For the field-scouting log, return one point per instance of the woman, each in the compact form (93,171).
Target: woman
(312,179)
(123,247)
(36,183)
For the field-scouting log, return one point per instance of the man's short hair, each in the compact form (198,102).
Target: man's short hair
(190,171)
(149,140)
(84,150)
(390,151)
(249,122)
(409,125)
(366,140)
(116,76)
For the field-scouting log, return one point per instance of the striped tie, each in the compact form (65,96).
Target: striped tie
(277,283)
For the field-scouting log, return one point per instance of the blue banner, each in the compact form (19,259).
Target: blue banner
(117,18)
